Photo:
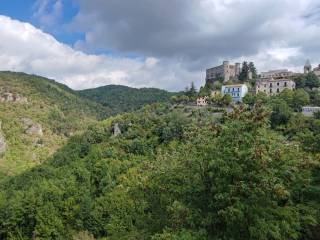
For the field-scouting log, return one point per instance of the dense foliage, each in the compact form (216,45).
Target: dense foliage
(125,99)
(171,174)
(54,106)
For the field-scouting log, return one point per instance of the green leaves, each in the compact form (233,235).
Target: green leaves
(171,174)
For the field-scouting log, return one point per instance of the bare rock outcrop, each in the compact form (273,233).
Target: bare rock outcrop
(37,142)
(116,130)
(12,97)
(32,128)
(3,145)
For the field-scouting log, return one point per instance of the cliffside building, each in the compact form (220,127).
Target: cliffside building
(236,91)
(278,74)
(309,111)
(202,101)
(316,71)
(307,67)
(227,71)
(274,86)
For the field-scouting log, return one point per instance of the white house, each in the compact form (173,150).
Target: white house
(236,91)
(309,110)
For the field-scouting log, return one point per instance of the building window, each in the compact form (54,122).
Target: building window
(238,89)
(265,85)
(278,84)
(278,90)
(271,90)
(285,84)
(270,84)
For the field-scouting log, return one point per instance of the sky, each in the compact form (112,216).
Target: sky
(154,43)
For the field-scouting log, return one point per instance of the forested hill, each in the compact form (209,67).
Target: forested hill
(183,174)
(37,115)
(124,99)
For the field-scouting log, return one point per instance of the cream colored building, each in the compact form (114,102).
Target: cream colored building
(274,86)
(278,74)
(316,71)
(202,101)
(226,71)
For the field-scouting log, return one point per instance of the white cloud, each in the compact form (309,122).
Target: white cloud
(204,32)
(175,40)
(26,48)
(284,54)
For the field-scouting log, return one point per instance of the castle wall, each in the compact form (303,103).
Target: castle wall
(225,70)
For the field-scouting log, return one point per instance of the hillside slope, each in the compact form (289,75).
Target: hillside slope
(170,174)
(37,115)
(125,99)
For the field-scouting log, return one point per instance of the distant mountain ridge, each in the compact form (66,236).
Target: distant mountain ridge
(38,115)
(124,99)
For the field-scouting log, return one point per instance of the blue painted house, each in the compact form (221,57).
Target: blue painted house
(236,91)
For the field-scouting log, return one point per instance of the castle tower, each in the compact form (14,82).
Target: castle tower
(307,67)
(238,69)
(226,71)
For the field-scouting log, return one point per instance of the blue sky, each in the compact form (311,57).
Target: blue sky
(25,12)
(158,43)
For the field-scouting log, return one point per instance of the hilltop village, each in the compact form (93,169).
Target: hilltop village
(232,83)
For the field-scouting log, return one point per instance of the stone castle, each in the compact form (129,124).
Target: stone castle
(308,69)
(229,72)
(226,71)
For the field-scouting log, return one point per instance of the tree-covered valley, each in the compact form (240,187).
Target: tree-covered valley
(165,171)
(125,99)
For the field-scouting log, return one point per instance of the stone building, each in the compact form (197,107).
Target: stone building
(307,67)
(316,71)
(236,91)
(227,71)
(309,111)
(202,101)
(278,74)
(274,86)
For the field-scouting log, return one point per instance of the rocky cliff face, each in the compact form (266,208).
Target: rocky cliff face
(3,145)
(32,128)
(116,130)
(12,97)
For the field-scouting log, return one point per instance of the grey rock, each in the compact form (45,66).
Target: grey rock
(12,97)
(3,145)
(116,130)
(32,128)
(37,142)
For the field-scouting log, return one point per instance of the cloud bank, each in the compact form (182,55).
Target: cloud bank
(26,48)
(172,42)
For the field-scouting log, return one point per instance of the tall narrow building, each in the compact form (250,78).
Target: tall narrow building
(307,67)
